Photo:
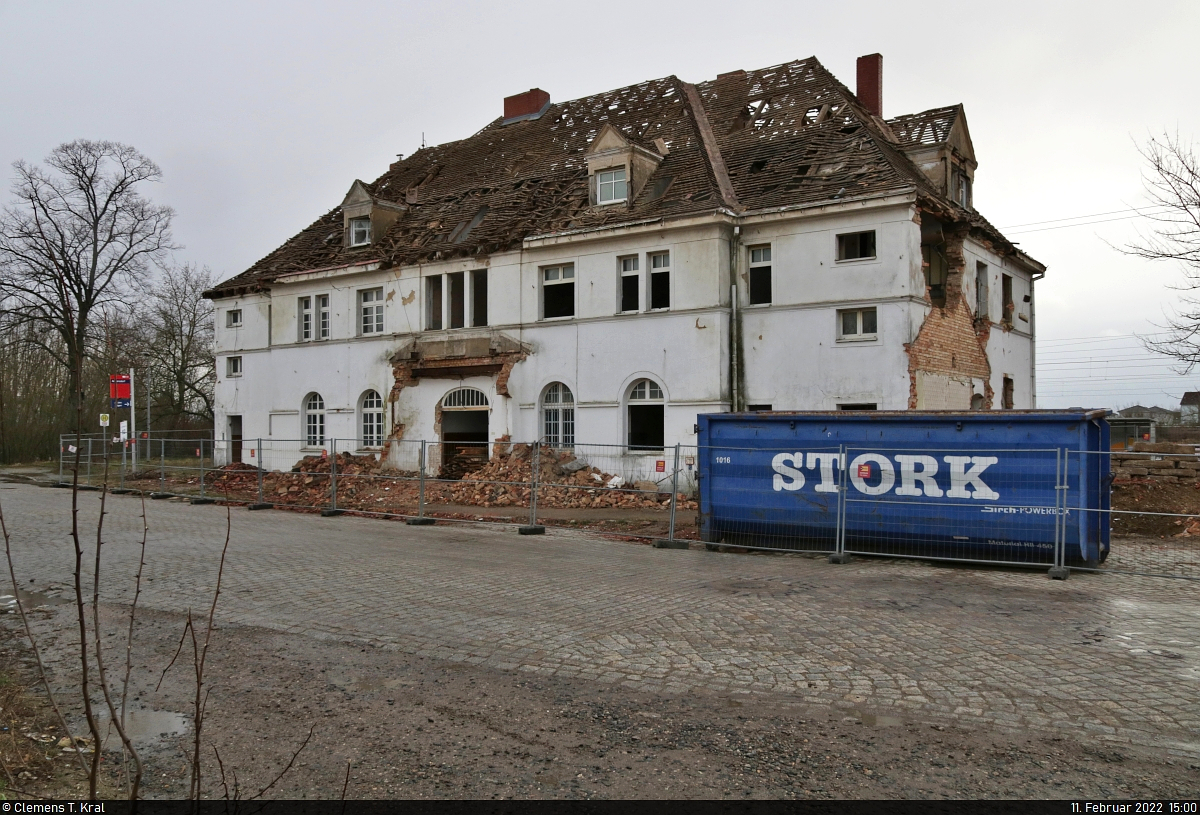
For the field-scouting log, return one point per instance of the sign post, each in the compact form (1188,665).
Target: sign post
(133,419)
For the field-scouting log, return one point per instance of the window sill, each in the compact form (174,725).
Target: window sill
(233,376)
(312,449)
(610,203)
(863,338)
(556,319)
(663,308)
(757,305)
(844,261)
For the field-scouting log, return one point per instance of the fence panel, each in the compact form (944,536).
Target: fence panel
(977,505)
(1154,516)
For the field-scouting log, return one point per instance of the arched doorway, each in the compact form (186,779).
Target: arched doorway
(464,431)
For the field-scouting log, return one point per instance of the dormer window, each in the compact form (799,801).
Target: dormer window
(360,231)
(962,190)
(611,186)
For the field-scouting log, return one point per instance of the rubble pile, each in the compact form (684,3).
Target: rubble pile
(564,481)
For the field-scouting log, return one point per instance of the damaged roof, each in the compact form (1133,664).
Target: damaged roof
(750,140)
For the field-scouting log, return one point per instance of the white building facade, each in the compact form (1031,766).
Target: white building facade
(621,330)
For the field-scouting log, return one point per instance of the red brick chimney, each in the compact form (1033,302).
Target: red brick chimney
(870,83)
(528,105)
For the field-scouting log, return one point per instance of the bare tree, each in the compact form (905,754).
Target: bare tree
(177,344)
(1172,182)
(79,237)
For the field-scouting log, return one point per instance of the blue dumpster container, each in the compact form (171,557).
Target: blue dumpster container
(1000,486)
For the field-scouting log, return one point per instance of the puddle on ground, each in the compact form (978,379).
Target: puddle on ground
(145,726)
(30,599)
(358,683)
(874,720)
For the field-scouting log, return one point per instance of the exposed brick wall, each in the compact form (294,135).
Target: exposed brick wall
(402,377)
(948,342)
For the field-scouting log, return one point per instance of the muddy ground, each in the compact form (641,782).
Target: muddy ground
(411,727)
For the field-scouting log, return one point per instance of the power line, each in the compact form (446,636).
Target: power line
(1138,210)
(1068,226)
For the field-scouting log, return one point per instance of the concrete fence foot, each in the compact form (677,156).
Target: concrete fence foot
(421,521)
(158,496)
(668,544)
(331,513)
(198,501)
(839,557)
(531,530)
(1059,573)
(260,506)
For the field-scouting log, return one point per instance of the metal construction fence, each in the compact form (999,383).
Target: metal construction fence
(1045,508)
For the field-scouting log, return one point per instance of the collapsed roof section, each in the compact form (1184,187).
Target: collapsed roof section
(791,135)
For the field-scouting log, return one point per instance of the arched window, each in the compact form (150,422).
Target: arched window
(645,414)
(314,420)
(558,416)
(372,419)
(467,398)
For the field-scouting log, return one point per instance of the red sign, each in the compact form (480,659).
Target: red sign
(660,466)
(118,386)
(864,470)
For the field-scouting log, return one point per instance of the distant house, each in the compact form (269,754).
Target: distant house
(1155,414)
(1189,408)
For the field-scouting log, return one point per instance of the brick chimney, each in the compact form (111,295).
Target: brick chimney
(528,105)
(870,83)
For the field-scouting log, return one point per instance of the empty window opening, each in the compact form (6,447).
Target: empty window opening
(936,269)
(433,303)
(1007,295)
(323,317)
(464,431)
(610,186)
(857,324)
(858,406)
(233,318)
(558,291)
(314,420)
(479,297)
(372,419)
(458,299)
(646,416)
(962,189)
(856,245)
(235,438)
(760,275)
(1007,402)
(233,366)
(371,308)
(630,284)
(660,280)
(982,312)
(360,231)
(758,408)
(558,416)
(305,321)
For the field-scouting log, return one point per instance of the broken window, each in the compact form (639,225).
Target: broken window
(360,231)
(856,245)
(233,366)
(630,283)
(936,271)
(961,189)
(558,291)
(660,280)
(1007,295)
(372,419)
(314,420)
(982,310)
(1007,402)
(370,306)
(610,186)
(458,299)
(857,324)
(479,297)
(304,323)
(323,316)
(433,303)
(646,416)
(558,416)
(760,275)
(233,318)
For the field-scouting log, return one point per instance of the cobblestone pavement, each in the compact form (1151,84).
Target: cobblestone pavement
(1108,658)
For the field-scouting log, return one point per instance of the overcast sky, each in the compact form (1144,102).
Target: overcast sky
(261,114)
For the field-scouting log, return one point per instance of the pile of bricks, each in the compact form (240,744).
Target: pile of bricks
(564,483)
(1157,462)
